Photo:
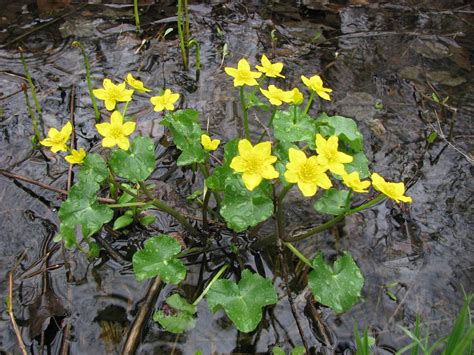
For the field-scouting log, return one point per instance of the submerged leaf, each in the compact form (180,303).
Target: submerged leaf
(179,321)
(158,258)
(138,163)
(242,302)
(337,287)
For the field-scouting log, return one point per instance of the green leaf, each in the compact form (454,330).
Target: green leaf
(294,126)
(216,181)
(252,100)
(277,350)
(122,222)
(242,208)
(93,168)
(81,208)
(138,163)
(159,259)
(186,131)
(147,220)
(67,234)
(179,321)
(432,137)
(359,164)
(242,302)
(337,287)
(299,350)
(343,127)
(281,152)
(94,250)
(125,197)
(333,201)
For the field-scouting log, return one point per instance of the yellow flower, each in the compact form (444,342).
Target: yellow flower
(306,172)
(329,157)
(136,84)
(112,93)
(209,144)
(394,190)
(242,75)
(57,139)
(315,83)
(165,101)
(76,157)
(277,96)
(269,69)
(296,97)
(255,163)
(116,132)
(353,181)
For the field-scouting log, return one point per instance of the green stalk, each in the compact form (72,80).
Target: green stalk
(208,287)
(88,76)
(161,205)
(128,204)
(298,254)
(308,105)
(195,44)
(295,107)
(332,222)
(137,15)
(182,43)
(125,109)
(246,115)
(269,124)
(33,119)
(205,172)
(30,83)
(186,21)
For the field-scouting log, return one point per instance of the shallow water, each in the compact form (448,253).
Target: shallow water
(394,56)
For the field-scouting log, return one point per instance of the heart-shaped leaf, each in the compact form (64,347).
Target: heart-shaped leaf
(93,168)
(182,317)
(81,208)
(242,208)
(343,127)
(242,302)
(138,163)
(158,258)
(294,126)
(333,201)
(359,164)
(186,131)
(337,287)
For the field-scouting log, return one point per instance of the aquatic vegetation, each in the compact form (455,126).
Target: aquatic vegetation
(323,156)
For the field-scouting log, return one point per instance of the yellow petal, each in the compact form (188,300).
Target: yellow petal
(109,104)
(231,71)
(291,175)
(243,65)
(324,95)
(67,129)
(251,181)
(101,94)
(324,181)
(344,158)
(108,84)
(238,164)
(245,148)
(123,143)
(116,119)
(108,142)
(269,172)
(320,142)
(103,128)
(296,156)
(307,189)
(263,148)
(128,128)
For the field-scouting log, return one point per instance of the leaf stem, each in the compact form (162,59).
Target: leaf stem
(208,287)
(33,119)
(308,105)
(182,43)
(88,76)
(331,222)
(245,113)
(298,254)
(137,15)
(30,83)
(128,204)
(165,208)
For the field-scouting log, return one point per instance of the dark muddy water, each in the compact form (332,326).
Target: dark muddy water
(383,60)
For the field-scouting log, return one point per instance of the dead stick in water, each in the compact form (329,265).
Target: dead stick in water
(12,315)
(134,334)
(46,186)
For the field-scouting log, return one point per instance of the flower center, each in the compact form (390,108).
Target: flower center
(116,132)
(254,165)
(308,173)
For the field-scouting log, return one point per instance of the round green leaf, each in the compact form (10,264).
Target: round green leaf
(216,181)
(359,164)
(294,126)
(181,320)
(138,163)
(333,201)
(158,258)
(343,127)
(242,208)
(337,287)
(242,302)
(122,222)
(93,168)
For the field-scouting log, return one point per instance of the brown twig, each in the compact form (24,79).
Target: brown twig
(134,334)
(46,186)
(12,315)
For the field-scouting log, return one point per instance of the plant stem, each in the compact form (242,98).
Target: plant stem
(30,83)
(298,254)
(308,105)
(186,21)
(331,222)
(269,124)
(137,15)
(182,42)
(195,44)
(33,119)
(245,113)
(161,205)
(88,76)
(205,172)
(295,108)
(208,287)
(125,109)
(128,204)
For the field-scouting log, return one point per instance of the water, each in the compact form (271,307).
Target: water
(395,55)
